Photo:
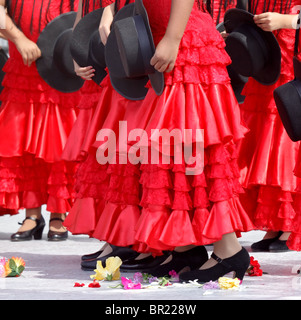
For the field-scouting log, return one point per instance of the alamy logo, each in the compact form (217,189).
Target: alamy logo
(136,146)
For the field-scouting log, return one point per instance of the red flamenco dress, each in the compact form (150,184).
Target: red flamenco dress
(97,184)
(267,155)
(78,144)
(197,209)
(294,241)
(35,121)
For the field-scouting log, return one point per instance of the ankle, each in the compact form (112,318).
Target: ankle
(56,222)
(284,236)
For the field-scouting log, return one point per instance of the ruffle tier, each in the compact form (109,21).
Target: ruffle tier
(23,84)
(294,241)
(267,159)
(76,148)
(29,182)
(41,116)
(39,129)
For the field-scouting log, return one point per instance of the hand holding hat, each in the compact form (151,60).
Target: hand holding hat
(254,52)
(86,46)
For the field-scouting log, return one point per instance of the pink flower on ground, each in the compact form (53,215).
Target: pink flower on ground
(129,285)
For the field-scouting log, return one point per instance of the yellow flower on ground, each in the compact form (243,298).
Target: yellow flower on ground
(228,283)
(110,272)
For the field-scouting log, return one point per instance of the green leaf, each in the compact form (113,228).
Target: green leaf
(20,269)
(12,264)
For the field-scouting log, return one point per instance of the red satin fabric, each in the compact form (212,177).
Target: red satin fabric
(190,209)
(267,155)
(35,121)
(294,241)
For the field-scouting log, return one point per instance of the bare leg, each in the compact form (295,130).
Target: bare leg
(224,248)
(30,224)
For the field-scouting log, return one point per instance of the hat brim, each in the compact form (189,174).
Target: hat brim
(80,44)
(271,71)
(288,102)
(47,68)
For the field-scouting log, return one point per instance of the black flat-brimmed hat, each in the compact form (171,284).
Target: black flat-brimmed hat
(55,65)
(128,52)
(288,101)
(86,46)
(254,52)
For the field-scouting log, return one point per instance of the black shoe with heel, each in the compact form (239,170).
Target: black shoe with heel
(191,259)
(27,235)
(144,265)
(92,256)
(264,244)
(123,253)
(57,235)
(238,264)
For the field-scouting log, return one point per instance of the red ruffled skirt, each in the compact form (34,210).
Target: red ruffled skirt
(294,241)
(157,207)
(267,160)
(76,146)
(35,121)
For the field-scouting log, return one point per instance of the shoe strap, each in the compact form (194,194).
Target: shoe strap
(56,219)
(29,218)
(219,260)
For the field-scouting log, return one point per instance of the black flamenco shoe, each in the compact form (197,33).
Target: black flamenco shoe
(123,253)
(35,233)
(238,263)
(192,259)
(264,245)
(144,265)
(56,235)
(92,256)
(278,246)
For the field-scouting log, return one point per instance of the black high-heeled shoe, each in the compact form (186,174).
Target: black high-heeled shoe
(36,232)
(279,246)
(57,235)
(264,244)
(123,253)
(92,256)
(238,263)
(192,259)
(145,265)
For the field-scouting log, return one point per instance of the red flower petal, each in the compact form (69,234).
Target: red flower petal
(76,284)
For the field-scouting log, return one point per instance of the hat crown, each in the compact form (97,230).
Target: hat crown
(61,55)
(248,51)
(134,46)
